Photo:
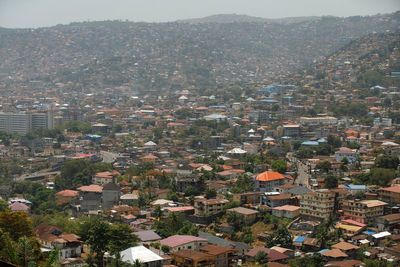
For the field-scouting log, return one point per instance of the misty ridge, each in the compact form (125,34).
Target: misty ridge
(198,53)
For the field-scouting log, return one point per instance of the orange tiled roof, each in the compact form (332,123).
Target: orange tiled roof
(67,193)
(394,189)
(269,176)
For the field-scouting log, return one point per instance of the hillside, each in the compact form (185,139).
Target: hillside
(363,63)
(163,56)
(231,18)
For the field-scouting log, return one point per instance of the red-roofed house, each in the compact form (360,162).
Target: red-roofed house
(65,196)
(180,242)
(18,206)
(273,255)
(390,195)
(268,180)
(52,237)
(106,177)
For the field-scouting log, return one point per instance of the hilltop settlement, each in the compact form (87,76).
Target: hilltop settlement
(209,160)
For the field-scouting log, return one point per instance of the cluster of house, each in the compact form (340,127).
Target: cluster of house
(370,225)
(176,132)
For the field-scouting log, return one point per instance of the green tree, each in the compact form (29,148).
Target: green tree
(261,257)
(236,220)
(137,263)
(28,249)
(157,212)
(75,173)
(165,249)
(279,166)
(334,141)
(102,236)
(210,193)
(8,252)
(16,224)
(379,176)
(3,205)
(78,126)
(175,224)
(97,237)
(331,181)
(387,161)
(315,260)
(304,153)
(324,166)
(281,237)
(52,259)
(121,237)
(244,183)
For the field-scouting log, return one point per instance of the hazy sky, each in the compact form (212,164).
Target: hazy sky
(38,13)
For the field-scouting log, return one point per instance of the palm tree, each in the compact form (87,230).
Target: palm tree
(137,263)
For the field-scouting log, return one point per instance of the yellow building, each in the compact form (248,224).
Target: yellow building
(207,207)
(390,194)
(319,204)
(363,211)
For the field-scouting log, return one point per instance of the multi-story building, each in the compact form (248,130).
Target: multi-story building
(268,180)
(52,237)
(208,207)
(42,120)
(344,152)
(363,211)
(24,122)
(319,204)
(390,194)
(19,123)
(209,255)
(323,120)
(252,198)
(291,130)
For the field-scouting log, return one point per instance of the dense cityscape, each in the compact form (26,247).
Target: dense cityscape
(224,141)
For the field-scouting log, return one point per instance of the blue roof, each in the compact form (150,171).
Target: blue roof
(369,232)
(310,143)
(356,186)
(93,136)
(217,107)
(299,239)
(269,100)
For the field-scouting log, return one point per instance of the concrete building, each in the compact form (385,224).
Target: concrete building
(249,215)
(319,204)
(268,180)
(52,237)
(344,152)
(110,195)
(22,123)
(208,207)
(363,211)
(323,120)
(90,197)
(286,211)
(19,123)
(252,198)
(291,130)
(390,195)
(182,242)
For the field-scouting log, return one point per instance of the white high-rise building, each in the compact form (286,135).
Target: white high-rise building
(24,122)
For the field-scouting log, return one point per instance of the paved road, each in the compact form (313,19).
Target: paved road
(108,157)
(36,175)
(303,174)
